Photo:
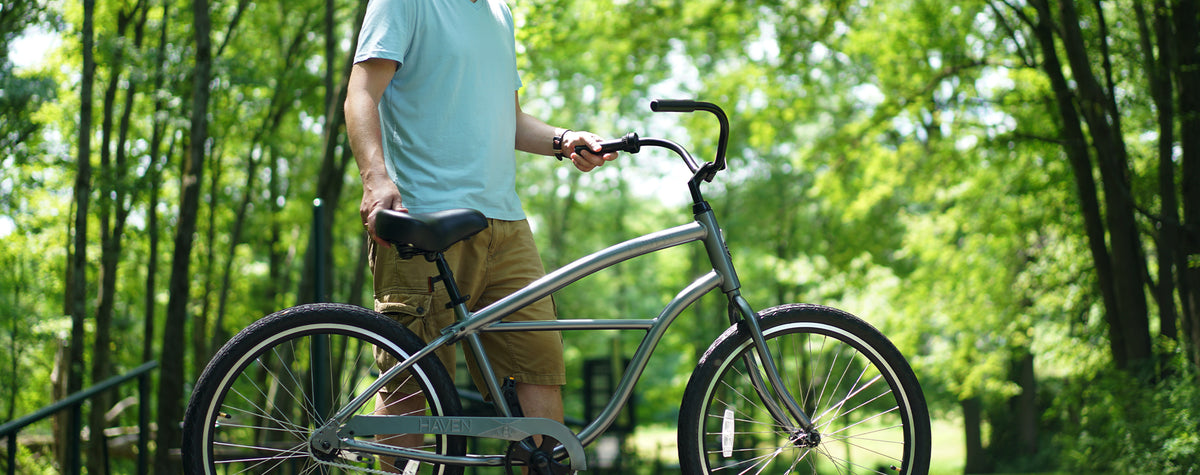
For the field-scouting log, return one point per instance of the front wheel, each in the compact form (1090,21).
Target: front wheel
(263,395)
(863,398)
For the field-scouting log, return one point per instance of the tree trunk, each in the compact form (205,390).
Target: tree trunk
(113,193)
(1024,406)
(1186,15)
(170,389)
(1158,70)
(977,456)
(1112,234)
(154,177)
(157,165)
(76,288)
(1125,247)
(1075,147)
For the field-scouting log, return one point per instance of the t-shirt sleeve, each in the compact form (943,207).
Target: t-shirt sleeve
(387,30)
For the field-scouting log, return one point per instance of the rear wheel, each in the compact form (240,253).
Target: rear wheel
(869,413)
(263,395)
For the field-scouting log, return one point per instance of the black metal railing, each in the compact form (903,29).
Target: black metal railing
(73,402)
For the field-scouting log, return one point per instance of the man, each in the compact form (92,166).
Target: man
(433,116)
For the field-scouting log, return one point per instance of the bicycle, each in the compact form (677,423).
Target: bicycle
(794,387)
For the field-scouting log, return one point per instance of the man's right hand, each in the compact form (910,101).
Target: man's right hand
(378,195)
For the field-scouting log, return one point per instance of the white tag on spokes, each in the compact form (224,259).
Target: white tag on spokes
(727,434)
(411,467)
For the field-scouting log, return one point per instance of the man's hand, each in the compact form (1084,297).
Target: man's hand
(378,194)
(590,158)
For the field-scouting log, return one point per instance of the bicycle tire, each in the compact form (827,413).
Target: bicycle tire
(834,364)
(253,408)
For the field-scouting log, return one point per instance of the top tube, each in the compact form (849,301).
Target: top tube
(579,269)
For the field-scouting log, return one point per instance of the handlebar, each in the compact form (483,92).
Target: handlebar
(629,143)
(685,105)
(632,144)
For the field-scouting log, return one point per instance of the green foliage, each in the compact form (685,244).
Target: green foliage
(898,159)
(1116,425)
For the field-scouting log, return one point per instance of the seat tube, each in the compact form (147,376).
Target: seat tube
(459,303)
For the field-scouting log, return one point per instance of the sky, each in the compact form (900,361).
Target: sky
(29,48)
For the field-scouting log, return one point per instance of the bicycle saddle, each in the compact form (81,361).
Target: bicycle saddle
(427,233)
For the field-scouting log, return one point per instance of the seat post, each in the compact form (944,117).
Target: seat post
(458,302)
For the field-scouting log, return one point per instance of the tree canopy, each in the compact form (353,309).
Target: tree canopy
(1008,189)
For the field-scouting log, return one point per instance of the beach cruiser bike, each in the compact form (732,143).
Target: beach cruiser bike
(794,388)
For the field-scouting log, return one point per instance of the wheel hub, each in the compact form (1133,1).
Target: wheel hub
(806,440)
(324,442)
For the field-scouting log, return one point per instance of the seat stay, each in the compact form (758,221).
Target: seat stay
(364,396)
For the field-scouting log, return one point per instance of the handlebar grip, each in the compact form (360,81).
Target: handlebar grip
(674,105)
(685,105)
(628,143)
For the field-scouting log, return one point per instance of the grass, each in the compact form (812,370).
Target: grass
(948,455)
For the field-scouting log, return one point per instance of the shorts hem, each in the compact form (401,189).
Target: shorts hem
(541,379)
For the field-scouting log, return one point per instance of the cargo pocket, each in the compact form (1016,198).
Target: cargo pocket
(405,307)
(410,310)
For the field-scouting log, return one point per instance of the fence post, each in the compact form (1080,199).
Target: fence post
(143,423)
(74,442)
(12,453)
(319,366)
(319,252)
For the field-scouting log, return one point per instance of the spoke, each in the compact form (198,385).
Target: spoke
(256,462)
(258,427)
(861,435)
(837,356)
(305,403)
(873,417)
(839,463)
(857,389)
(264,413)
(298,448)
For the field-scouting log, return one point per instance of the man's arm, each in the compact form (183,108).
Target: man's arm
(535,136)
(368,81)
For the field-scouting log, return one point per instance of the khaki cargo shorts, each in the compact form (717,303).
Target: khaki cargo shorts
(488,267)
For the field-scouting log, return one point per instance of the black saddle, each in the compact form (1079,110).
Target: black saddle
(427,234)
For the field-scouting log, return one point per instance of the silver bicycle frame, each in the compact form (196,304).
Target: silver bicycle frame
(488,319)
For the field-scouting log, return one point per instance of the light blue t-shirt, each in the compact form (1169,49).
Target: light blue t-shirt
(449,114)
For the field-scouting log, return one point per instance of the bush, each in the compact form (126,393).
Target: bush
(1115,423)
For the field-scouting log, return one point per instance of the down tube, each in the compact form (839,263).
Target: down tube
(584,267)
(641,358)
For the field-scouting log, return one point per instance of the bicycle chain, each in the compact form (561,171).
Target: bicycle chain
(353,468)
